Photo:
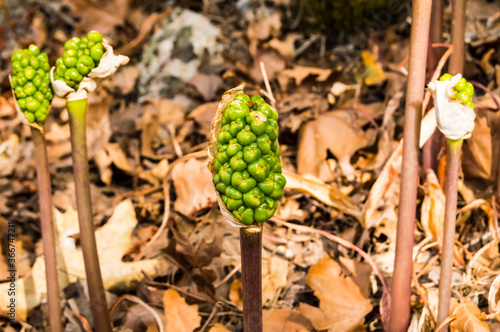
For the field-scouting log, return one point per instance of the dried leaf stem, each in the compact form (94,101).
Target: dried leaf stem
(400,302)
(77,110)
(452,168)
(47,225)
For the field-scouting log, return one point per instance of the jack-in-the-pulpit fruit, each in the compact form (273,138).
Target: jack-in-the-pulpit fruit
(464,91)
(79,58)
(248,164)
(31,83)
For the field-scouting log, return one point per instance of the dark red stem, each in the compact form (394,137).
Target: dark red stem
(48,232)
(401,286)
(251,270)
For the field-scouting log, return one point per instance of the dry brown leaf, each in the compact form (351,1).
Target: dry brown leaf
(433,209)
(486,260)
(262,29)
(300,73)
(193,185)
(159,113)
(467,317)
(203,116)
(274,277)
(236,293)
(321,191)
(156,174)
(374,71)
(218,328)
(285,47)
(342,306)
(102,17)
(207,85)
(494,297)
(118,157)
(273,63)
(104,162)
(126,78)
(113,239)
(179,315)
(480,153)
(281,320)
(317,137)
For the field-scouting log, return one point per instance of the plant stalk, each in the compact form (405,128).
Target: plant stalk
(401,285)
(456,64)
(77,110)
(48,233)
(452,168)
(251,271)
(432,147)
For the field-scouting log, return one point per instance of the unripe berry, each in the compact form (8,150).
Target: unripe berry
(31,83)
(247,163)
(80,57)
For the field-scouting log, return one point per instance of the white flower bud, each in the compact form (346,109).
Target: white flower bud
(454,119)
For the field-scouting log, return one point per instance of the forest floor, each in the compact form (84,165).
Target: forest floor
(168,257)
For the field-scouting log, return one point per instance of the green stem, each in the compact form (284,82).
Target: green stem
(48,233)
(77,110)
(401,284)
(452,168)
(251,271)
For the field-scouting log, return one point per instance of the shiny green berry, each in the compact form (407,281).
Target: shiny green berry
(250,183)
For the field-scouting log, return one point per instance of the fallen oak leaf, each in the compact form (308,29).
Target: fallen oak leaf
(113,240)
(467,320)
(341,305)
(282,320)
(300,73)
(179,315)
(321,191)
(193,185)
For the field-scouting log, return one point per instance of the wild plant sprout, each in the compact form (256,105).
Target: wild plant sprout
(33,93)
(85,62)
(455,119)
(246,166)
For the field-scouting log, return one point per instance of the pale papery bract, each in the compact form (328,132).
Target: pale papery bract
(108,65)
(454,119)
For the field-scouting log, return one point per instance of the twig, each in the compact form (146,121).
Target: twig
(164,221)
(177,147)
(229,275)
(488,91)
(343,243)
(140,302)
(268,86)
(147,24)
(422,296)
(215,310)
(445,323)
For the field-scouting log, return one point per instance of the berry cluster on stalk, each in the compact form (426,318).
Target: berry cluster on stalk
(31,83)
(464,91)
(79,58)
(248,163)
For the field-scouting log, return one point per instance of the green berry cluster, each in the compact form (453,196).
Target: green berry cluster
(463,90)
(248,161)
(31,83)
(79,58)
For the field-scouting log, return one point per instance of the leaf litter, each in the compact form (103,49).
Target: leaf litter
(168,256)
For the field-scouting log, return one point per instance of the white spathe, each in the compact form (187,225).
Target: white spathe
(454,119)
(108,65)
